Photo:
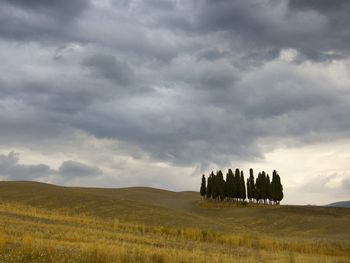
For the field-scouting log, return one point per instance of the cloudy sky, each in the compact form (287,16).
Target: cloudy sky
(116,93)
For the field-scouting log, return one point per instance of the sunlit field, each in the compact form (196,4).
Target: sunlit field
(34,230)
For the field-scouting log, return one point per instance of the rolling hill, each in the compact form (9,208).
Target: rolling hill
(162,207)
(340,204)
(177,220)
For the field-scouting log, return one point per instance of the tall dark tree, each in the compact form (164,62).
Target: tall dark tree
(243,189)
(268,187)
(215,187)
(273,187)
(264,189)
(251,185)
(249,193)
(237,184)
(258,188)
(230,188)
(226,187)
(210,185)
(220,185)
(278,188)
(203,190)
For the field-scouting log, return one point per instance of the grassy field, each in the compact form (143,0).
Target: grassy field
(47,223)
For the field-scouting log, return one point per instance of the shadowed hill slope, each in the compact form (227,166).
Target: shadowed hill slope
(340,204)
(135,204)
(181,209)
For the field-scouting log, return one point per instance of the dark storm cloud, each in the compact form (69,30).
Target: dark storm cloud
(261,56)
(49,97)
(189,82)
(160,4)
(71,169)
(61,9)
(323,6)
(287,94)
(34,110)
(39,20)
(335,33)
(312,27)
(211,54)
(61,23)
(11,169)
(318,29)
(109,67)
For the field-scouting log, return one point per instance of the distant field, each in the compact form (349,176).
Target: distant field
(47,223)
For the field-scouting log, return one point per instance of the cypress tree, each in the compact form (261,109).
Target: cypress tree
(243,190)
(263,186)
(268,187)
(257,194)
(237,184)
(273,187)
(240,190)
(210,185)
(220,185)
(230,184)
(249,192)
(215,190)
(203,189)
(226,187)
(251,184)
(279,189)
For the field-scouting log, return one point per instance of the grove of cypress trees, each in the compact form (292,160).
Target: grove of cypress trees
(263,190)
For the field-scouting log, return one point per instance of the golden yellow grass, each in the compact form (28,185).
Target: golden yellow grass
(31,234)
(47,223)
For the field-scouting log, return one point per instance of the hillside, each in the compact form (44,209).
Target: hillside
(178,220)
(340,204)
(136,204)
(161,207)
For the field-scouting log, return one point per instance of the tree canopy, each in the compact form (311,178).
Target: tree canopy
(235,189)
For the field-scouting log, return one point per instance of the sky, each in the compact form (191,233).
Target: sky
(117,93)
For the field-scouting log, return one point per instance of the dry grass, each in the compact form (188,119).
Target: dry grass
(29,234)
(46,223)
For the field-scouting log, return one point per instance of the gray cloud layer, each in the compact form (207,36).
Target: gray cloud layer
(109,68)
(76,169)
(11,169)
(188,82)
